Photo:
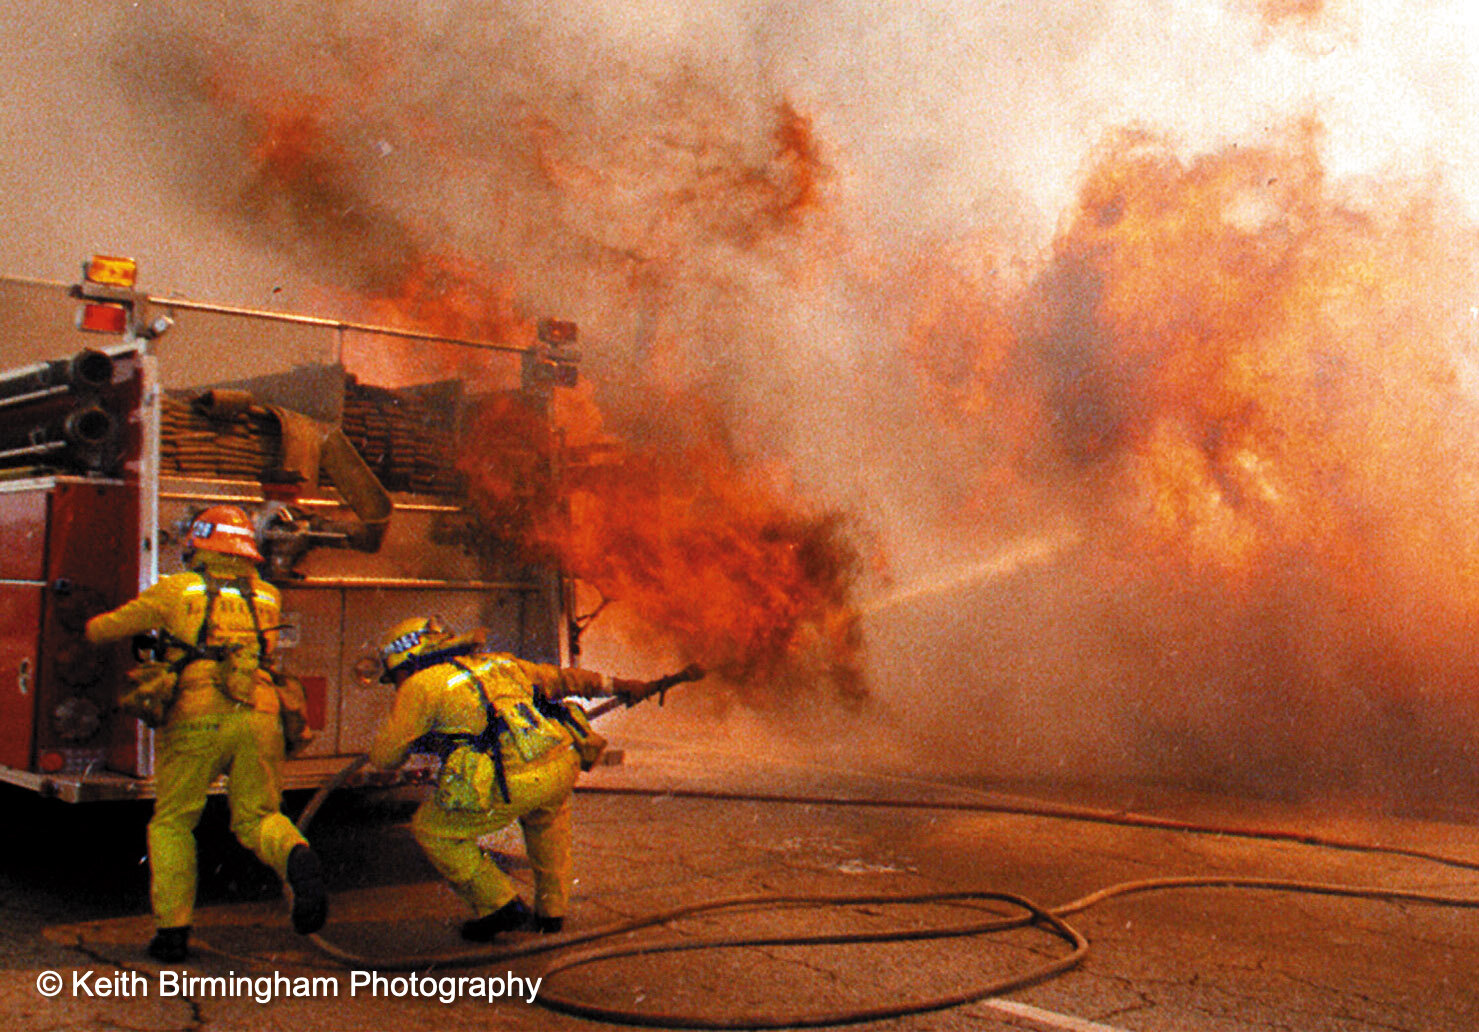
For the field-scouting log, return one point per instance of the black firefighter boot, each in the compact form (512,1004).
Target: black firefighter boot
(170,945)
(512,915)
(306,885)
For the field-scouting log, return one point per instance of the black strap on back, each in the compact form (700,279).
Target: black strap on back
(243,585)
(190,651)
(212,594)
(558,711)
(487,741)
(416,664)
(216,653)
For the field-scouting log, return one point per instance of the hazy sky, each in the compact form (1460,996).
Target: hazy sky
(940,117)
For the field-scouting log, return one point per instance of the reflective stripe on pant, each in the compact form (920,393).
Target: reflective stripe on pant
(540,800)
(247,747)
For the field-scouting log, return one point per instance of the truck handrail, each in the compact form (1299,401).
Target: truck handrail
(338,325)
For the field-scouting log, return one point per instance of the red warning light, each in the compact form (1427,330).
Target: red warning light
(100,318)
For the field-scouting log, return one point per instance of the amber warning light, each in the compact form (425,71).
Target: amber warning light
(107,293)
(111,270)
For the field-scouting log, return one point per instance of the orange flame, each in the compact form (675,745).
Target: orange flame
(707,552)
(797,153)
(1257,398)
(1277,11)
(709,556)
(450,295)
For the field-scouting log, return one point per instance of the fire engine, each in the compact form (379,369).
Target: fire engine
(355,488)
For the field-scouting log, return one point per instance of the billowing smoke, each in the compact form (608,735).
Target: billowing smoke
(675,217)
(1130,341)
(1251,395)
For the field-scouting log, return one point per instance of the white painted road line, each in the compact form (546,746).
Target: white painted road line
(1048,1018)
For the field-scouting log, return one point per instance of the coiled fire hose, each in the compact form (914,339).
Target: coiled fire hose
(1050,920)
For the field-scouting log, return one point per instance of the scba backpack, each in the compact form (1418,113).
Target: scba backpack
(473,777)
(154,683)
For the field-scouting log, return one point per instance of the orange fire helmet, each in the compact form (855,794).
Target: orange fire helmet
(225,529)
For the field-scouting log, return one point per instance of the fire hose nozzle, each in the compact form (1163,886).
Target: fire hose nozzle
(633,692)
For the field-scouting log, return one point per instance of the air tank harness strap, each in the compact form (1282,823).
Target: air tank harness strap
(560,712)
(548,707)
(220,653)
(190,651)
(243,586)
(193,650)
(487,740)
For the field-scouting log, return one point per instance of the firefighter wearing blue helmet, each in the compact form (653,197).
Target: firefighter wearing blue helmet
(511,747)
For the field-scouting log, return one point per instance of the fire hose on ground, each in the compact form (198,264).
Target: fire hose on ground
(1051,920)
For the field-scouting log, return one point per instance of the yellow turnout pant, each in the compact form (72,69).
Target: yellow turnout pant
(539,795)
(247,747)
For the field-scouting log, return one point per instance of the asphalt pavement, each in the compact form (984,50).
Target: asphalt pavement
(680,823)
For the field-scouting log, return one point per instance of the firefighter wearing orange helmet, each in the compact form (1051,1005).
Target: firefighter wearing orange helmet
(218,621)
(511,749)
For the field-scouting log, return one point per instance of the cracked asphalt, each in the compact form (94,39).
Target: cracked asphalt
(74,899)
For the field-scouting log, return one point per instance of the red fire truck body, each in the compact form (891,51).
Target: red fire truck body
(104,460)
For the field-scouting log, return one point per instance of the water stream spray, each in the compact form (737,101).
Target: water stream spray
(1009,559)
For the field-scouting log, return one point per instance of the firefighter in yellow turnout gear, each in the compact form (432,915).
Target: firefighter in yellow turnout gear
(220,621)
(511,750)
